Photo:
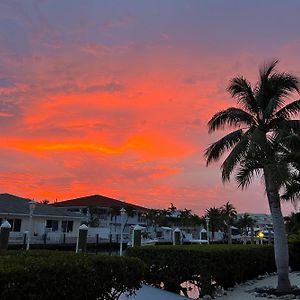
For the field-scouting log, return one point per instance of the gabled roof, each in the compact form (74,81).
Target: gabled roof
(14,205)
(97,200)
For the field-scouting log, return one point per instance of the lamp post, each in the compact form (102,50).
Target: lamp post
(122,213)
(207,228)
(32,205)
(261,236)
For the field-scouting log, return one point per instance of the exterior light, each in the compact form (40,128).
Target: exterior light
(260,234)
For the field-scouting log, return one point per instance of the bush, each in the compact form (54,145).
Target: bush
(101,247)
(64,275)
(294,249)
(224,264)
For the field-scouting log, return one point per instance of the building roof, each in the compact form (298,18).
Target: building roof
(97,200)
(14,205)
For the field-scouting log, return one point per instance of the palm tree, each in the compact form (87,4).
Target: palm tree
(130,213)
(229,214)
(216,220)
(185,217)
(259,145)
(114,212)
(244,223)
(292,223)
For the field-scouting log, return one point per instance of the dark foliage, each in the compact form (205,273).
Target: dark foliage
(62,275)
(294,249)
(227,265)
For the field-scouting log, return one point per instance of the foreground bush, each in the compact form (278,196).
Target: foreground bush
(205,265)
(62,275)
(294,248)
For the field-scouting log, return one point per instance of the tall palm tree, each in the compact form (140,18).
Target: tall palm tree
(229,214)
(215,220)
(114,212)
(259,145)
(292,223)
(244,223)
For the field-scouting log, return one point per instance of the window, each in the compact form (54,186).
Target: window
(67,226)
(52,224)
(15,224)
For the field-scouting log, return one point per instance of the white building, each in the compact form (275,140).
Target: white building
(103,215)
(262,221)
(58,224)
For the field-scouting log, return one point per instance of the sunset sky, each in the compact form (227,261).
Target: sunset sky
(112,97)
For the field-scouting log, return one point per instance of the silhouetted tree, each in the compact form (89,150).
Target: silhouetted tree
(261,144)
(229,214)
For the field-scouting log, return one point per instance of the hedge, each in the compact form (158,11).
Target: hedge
(207,265)
(294,249)
(91,247)
(63,275)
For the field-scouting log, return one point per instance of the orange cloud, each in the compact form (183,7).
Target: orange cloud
(149,145)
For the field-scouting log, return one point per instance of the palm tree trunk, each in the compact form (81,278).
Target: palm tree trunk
(280,240)
(252,235)
(229,237)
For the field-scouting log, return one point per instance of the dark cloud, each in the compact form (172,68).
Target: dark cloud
(111,87)
(5,82)
(190,80)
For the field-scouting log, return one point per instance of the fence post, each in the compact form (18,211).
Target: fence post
(25,238)
(82,239)
(137,236)
(4,235)
(177,237)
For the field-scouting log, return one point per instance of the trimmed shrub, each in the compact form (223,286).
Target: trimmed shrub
(63,275)
(223,265)
(294,249)
(107,247)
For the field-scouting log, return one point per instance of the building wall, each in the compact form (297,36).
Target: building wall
(39,224)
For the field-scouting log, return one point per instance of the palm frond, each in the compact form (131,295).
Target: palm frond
(277,88)
(282,84)
(259,139)
(235,156)
(281,173)
(273,105)
(267,69)
(240,88)
(284,127)
(217,149)
(273,88)
(230,117)
(292,190)
(290,143)
(291,126)
(288,111)
(246,172)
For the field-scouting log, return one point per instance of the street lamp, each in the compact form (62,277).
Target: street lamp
(122,213)
(32,205)
(261,236)
(207,228)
